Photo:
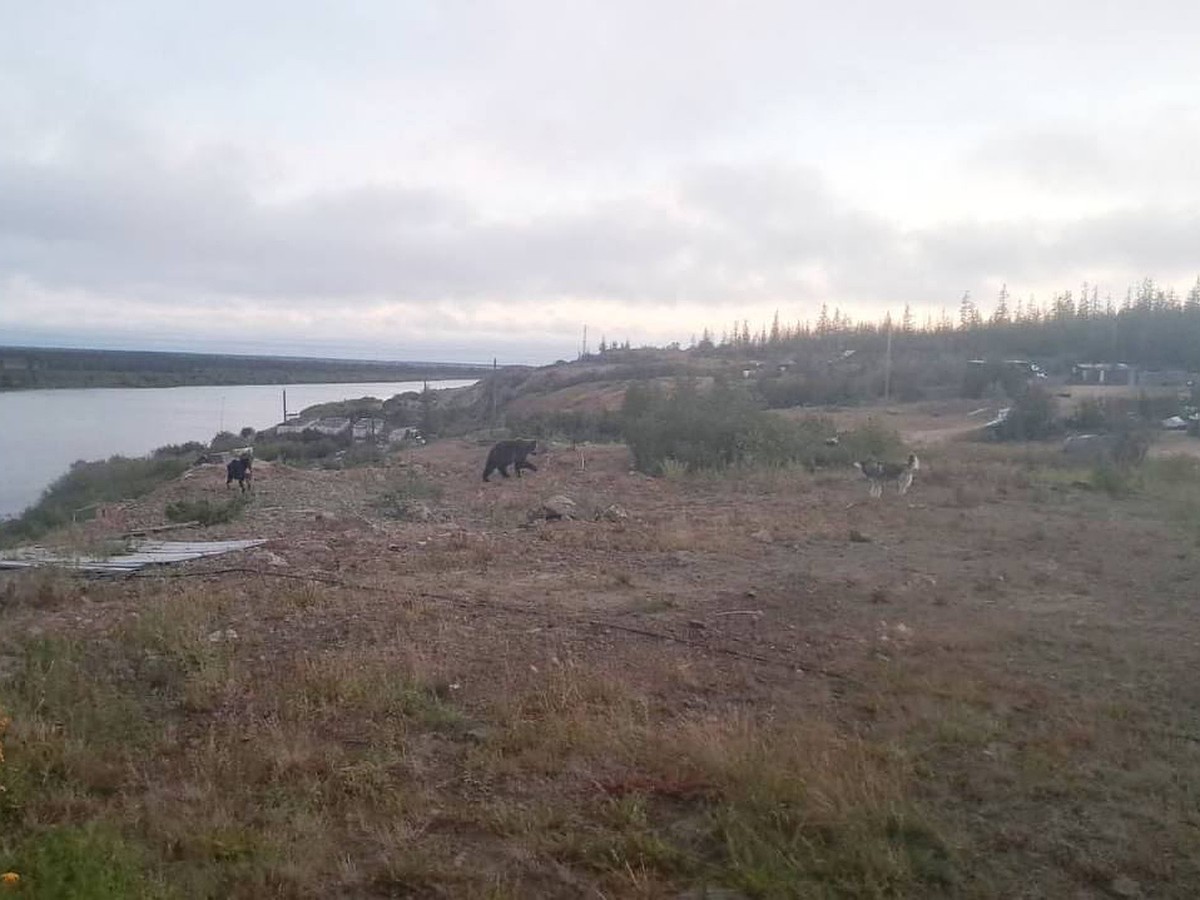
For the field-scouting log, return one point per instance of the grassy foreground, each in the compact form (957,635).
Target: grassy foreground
(354,770)
(760,682)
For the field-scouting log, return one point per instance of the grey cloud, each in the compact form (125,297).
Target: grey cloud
(1124,159)
(726,235)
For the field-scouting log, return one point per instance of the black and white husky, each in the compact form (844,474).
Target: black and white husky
(879,473)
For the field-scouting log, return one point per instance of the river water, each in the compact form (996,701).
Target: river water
(43,432)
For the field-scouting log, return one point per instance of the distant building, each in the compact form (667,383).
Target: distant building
(1023,366)
(1165,378)
(406,436)
(1104,373)
(368,429)
(333,426)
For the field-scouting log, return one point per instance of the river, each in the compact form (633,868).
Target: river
(43,432)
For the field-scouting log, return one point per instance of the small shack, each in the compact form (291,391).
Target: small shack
(1104,373)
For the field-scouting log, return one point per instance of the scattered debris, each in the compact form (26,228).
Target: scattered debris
(1000,419)
(414,511)
(612,513)
(273,559)
(557,507)
(898,633)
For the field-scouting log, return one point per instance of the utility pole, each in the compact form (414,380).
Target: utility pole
(492,393)
(583,351)
(887,368)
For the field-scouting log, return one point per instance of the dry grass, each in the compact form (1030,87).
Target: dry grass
(991,696)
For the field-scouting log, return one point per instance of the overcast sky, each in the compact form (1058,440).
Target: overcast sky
(462,179)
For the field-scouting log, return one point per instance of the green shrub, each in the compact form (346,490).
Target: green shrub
(699,431)
(1131,447)
(225,440)
(364,454)
(188,450)
(205,511)
(724,427)
(75,495)
(1090,416)
(402,496)
(870,441)
(1031,417)
(305,447)
(1112,479)
(363,406)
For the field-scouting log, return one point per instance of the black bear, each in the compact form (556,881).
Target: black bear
(510,453)
(239,470)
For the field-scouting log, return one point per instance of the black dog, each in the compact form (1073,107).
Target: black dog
(239,470)
(510,453)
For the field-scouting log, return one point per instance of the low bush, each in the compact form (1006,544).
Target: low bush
(1130,447)
(363,406)
(303,448)
(1030,418)
(405,495)
(365,454)
(189,449)
(205,511)
(75,495)
(1114,480)
(724,427)
(226,440)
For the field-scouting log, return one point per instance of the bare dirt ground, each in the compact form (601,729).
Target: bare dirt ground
(930,422)
(1175,444)
(765,681)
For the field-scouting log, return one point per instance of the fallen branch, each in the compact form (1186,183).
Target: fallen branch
(157,528)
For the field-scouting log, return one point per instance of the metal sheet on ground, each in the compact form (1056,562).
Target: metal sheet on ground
(143,553)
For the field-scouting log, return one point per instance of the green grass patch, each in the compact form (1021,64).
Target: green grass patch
(1116,481)
(206,512)
(80,862)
